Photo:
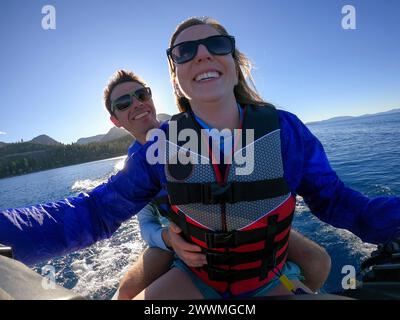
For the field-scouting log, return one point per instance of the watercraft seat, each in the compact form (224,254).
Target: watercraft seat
(18,282)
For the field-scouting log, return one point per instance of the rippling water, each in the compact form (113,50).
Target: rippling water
(364,152)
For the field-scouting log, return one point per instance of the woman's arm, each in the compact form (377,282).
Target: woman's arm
(374,220)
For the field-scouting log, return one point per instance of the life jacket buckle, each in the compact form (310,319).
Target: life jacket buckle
(217,274)
(268,263)
(216,258)
(215,193)
(220,239)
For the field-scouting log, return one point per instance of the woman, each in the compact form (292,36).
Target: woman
(208,74)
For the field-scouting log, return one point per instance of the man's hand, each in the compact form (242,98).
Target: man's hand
(188,252)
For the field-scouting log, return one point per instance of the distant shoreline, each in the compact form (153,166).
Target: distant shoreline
(71,165)
(345,118)
(23,158)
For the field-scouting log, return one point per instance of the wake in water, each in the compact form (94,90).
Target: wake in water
(87,185)
(99,269)
(343,247)
(95,272)
(311,226)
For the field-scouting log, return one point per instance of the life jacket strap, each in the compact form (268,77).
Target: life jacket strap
(220,274)
(269,256)
(216,239)
(237,238)
(234,258)
(231,192)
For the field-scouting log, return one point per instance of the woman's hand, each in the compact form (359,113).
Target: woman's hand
(188,252)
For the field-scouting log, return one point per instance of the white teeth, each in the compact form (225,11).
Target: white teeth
(141,115)
(207,75)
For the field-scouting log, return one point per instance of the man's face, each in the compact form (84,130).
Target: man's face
(139,117)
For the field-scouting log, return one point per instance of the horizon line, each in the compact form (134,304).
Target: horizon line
(308,122)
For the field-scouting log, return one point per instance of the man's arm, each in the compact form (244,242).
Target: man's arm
(375,220)
(151,228)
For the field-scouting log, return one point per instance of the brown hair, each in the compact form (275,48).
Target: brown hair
(245,91)
(120,76)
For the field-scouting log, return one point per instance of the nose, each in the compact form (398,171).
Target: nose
(203,53)
(136,103)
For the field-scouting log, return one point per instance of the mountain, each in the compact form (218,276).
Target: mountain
(382,113)
(393,111)
(113,134)
(90,139)
(45,139)
(26,157)
(335,119)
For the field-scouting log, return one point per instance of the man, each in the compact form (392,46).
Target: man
(45,231)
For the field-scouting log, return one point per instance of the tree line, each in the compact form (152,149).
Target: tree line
(27,157)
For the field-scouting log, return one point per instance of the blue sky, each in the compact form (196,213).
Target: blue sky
(52,80)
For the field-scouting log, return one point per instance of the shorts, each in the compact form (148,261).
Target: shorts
(290,269)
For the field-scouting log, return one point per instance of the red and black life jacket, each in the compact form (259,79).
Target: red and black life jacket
(242,222)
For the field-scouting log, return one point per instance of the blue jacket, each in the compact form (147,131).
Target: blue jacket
(151,224)
(44,231)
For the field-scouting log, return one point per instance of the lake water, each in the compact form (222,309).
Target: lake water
(364,152)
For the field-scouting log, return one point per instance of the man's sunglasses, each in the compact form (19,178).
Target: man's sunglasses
(123,102)
(185,51)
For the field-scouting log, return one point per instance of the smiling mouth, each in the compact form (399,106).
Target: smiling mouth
(205,76)
(141,115)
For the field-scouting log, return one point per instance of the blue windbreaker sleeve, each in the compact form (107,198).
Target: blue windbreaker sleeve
(375,220)
(44,231)
(134,147)
(151,227)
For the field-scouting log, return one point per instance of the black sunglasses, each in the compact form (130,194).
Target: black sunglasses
(185,51)
(123,102)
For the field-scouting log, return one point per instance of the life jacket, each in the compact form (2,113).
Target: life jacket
(241,222)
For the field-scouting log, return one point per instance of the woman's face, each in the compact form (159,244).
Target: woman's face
(206,78)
